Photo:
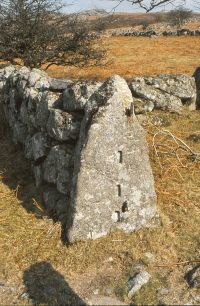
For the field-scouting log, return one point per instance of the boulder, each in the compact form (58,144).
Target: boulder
(113,186)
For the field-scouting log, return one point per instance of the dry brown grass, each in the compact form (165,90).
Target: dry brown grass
(133,56)
(26,239)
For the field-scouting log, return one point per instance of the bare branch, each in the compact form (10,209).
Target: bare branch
(145,4)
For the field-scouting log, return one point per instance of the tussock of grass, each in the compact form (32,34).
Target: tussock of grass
(26,237)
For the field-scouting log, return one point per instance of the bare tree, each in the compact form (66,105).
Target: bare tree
(147,5)
(179,16)
(36,33)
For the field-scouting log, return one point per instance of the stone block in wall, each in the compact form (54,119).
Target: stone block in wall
(179,85)
(142,106)
(38,79)
(76,95)
(57,168)
(47,102)
(28,108)
(20,132)
(36,106)
(15,100)
(160,100)
(37,147)
(59,84)
(182,86)
(166,92)
(6,72)
(62,125)
(113,185)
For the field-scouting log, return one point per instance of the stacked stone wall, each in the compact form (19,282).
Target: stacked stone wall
(86,148)
(152,33)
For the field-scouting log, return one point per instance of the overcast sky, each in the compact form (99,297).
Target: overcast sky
(80,5)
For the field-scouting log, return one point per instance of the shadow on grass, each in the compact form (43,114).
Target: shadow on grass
(44,285)
(15,172)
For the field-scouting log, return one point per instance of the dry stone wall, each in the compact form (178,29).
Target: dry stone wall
(86,148)
(166,92)
(152,33)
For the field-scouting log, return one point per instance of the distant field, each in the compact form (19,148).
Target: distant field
(132,56)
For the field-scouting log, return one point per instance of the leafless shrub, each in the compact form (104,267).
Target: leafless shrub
(179,16)
(36,33)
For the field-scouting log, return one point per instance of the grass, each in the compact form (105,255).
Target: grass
(28,238)
(133,56)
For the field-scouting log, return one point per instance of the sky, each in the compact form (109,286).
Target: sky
(80,5)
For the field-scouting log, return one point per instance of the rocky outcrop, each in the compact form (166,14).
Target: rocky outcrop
(166,92)
(86,148)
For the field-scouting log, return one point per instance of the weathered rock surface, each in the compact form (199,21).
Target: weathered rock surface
(58,84)
(137,282)
(46,103)
(181,86)
(58,167)
(166,92)
(38,79)
(76,96)
(62,126)
(113,183)
(142,106)
(37,146)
